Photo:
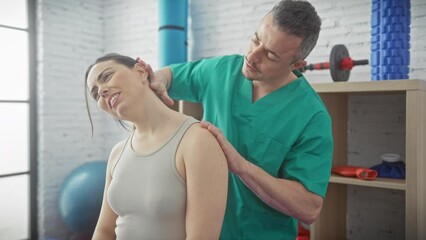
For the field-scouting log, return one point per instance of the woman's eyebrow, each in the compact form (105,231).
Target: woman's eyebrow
(102,73)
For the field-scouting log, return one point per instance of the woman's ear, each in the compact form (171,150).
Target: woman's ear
(141,70)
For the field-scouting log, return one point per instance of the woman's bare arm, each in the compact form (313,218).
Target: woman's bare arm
(105,227)
(207,184)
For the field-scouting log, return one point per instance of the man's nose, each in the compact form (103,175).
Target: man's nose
(254,54)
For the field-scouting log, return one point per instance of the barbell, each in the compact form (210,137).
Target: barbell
(340,64)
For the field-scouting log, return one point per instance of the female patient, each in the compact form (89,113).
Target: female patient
(168,179)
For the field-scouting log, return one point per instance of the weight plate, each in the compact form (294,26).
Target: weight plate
(338,53)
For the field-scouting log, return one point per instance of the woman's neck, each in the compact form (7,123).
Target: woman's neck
(157,125)
(154,116)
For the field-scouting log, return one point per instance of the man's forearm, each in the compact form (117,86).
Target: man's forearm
(289,197)
(286,196)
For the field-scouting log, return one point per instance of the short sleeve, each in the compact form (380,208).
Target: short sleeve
(310,158)
(189,81)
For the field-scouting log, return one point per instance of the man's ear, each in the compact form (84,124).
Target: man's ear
(298,65)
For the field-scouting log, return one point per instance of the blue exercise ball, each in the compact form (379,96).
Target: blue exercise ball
(80,197)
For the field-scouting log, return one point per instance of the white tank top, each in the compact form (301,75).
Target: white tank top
(147,192)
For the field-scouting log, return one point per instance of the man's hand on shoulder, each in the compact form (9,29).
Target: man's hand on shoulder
(236,163)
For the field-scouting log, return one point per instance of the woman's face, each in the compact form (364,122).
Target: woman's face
(115,87)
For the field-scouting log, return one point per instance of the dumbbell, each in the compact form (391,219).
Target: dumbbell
(340,64)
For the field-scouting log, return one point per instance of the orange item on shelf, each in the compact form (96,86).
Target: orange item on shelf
(304,234)
(354,171)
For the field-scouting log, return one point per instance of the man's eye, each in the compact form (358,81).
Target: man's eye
(272,58)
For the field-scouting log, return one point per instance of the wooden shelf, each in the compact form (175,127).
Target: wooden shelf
(388,183)
(371,86)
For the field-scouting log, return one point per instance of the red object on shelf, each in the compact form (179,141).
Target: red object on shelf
(354,171)
(304,234)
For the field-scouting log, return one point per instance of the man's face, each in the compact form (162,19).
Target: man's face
(270,56)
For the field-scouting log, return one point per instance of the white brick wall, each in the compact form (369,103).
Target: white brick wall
(418,34)
(71,34)
(223,27)
(344,22)
(131,28)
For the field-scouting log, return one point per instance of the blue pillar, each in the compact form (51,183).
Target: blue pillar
(173,21)
(390,39)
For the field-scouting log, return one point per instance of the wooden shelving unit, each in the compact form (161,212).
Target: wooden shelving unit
(332,222)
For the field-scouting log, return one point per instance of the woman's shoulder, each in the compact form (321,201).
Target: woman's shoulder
(199,139)
(196,133)
(202,152)
(118,146)
(115,154)
(118,149)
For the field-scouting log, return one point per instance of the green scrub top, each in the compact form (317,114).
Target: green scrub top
(287,133)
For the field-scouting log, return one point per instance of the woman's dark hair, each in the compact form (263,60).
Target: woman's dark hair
(120,59)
